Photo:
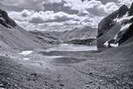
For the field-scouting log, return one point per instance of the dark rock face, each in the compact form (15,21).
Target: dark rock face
(109,35)
(131,10)
(116,28)
(122,11)
(127,34)
(108,22)
(5,20)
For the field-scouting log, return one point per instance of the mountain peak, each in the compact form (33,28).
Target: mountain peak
(122,11)
(116,29)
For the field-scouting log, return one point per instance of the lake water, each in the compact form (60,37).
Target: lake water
(71,47)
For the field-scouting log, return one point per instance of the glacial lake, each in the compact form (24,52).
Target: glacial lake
(71,47)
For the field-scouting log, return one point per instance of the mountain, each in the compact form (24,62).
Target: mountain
(10,8)
(13,36)
(78,35)
(116,29)
(83,35)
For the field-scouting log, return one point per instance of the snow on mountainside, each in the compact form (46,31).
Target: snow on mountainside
(116,29)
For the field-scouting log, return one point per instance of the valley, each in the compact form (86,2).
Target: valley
(71,59)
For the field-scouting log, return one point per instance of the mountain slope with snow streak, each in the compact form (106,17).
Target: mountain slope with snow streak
(116,29)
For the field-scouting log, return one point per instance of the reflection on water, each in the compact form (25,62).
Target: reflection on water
(72,47)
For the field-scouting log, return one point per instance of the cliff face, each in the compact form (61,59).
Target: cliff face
(5,20)
(116,29)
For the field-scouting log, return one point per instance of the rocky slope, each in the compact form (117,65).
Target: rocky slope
(116,29)
(13,36)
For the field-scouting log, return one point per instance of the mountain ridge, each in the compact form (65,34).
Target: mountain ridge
(116,28)
(14,37)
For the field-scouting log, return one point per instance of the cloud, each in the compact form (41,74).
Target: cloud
(26,4)
(36,20)
(98,7)
(30,19)
(61,12)
(59,6)
(52,1)
(126,2)
(106,1)
(77,6)
(41,16)
(110,7)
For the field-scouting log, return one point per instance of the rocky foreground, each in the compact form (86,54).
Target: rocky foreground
(111,69)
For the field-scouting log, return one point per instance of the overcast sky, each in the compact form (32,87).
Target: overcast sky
(38,3)
(36,13)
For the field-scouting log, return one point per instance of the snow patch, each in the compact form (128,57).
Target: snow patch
(114,45)
(53,57)
(125,17)
(26,59)
(25,53)
(1,18)
(106,44)
(125,27)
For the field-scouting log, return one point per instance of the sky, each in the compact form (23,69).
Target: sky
(37,14)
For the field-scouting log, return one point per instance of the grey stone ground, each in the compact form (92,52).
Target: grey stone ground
(67,70)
